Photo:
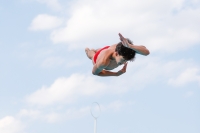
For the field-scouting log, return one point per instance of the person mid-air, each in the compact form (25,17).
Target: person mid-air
(110,57)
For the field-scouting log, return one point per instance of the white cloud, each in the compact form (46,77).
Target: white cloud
(9,124)
(94,23)
(147,71)
(57,115)
(176,33)
(33,114)
(38,114)
(53,116)
(187,76)
(140,74)
(45,22)
(53,4)
(71,89)
(77,113)
(66,90)
(69,114)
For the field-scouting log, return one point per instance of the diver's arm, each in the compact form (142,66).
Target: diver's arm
(140,49)
(107,73)
(99,72)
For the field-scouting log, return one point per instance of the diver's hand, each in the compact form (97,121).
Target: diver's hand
(124,41)
(123,70)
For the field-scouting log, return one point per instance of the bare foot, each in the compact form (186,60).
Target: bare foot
(86,51)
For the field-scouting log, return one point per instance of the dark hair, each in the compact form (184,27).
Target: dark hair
(126,53)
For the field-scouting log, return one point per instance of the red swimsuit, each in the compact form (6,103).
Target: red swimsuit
(99,51)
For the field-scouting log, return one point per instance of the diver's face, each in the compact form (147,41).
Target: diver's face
(120,60)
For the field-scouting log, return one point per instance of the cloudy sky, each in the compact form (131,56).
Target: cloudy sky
(46,81)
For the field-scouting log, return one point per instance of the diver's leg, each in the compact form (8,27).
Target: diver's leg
(95,50)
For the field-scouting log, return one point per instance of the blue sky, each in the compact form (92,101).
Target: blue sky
(46,81)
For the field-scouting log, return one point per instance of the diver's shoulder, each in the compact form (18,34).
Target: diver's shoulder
(113,46)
